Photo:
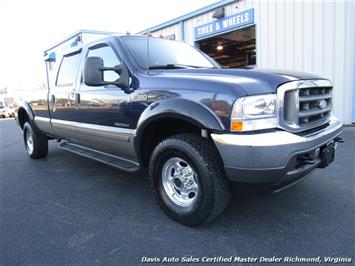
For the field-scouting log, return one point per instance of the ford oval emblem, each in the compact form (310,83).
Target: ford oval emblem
(322,104)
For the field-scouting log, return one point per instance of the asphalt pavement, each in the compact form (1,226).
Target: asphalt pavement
(70,210)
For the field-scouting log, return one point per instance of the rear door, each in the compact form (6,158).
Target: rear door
(63,107)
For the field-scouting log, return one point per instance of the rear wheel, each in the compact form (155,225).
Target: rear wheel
(36,144)
(188,179)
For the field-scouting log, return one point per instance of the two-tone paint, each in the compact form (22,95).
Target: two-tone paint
(113,120)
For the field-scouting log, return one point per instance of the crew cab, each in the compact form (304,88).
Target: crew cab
(137,102)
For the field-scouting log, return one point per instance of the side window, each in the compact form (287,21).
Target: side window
(68,69)
(110,60)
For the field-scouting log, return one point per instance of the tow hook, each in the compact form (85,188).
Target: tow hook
(306,159)
(339,140)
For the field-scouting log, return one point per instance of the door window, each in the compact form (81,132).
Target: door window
(110,60)
(68,69)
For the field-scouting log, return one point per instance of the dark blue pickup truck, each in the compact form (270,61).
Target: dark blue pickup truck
(135,102)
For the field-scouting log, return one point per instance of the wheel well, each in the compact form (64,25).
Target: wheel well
(22,117)
(161,129)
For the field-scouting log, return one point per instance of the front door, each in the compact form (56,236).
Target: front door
(104,110)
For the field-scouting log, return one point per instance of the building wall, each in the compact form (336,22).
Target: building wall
(311,36)
(173,29)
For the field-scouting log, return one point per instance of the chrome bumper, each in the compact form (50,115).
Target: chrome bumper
(271,157)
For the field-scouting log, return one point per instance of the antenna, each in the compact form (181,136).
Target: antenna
(148,35)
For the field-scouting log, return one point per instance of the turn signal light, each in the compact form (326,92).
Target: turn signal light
(237,126)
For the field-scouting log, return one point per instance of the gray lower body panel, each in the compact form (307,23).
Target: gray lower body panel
(111,140)
(44,125)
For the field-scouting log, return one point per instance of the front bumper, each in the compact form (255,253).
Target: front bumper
(272,157)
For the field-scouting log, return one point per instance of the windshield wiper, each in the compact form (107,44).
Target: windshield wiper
(173,66)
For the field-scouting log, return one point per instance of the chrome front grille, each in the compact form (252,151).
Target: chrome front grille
(315,105)
(305,104)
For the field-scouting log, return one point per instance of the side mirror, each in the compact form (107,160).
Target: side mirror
(94,73)
(93,76)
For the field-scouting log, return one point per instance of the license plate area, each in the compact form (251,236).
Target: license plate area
(327,154)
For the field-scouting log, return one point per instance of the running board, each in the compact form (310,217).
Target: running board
(105,158)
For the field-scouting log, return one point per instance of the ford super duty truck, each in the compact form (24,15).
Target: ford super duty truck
(135,102)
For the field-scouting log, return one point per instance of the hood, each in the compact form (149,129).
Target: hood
(257,81)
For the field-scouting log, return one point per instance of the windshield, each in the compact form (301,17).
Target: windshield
(166,54)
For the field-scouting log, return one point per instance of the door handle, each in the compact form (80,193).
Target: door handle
(52,98)
(77,98)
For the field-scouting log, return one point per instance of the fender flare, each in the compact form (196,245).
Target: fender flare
(192,112)
(25,106)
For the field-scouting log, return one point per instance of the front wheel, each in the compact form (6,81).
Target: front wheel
(36,144)
(188,179)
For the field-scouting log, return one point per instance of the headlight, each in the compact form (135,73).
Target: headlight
(254,112)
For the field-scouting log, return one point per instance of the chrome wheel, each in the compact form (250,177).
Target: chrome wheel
(180,182)
(29,142)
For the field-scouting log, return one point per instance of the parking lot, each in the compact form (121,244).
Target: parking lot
(66,209)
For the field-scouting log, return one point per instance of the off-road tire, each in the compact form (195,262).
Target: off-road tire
(201,154)
(40,142)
